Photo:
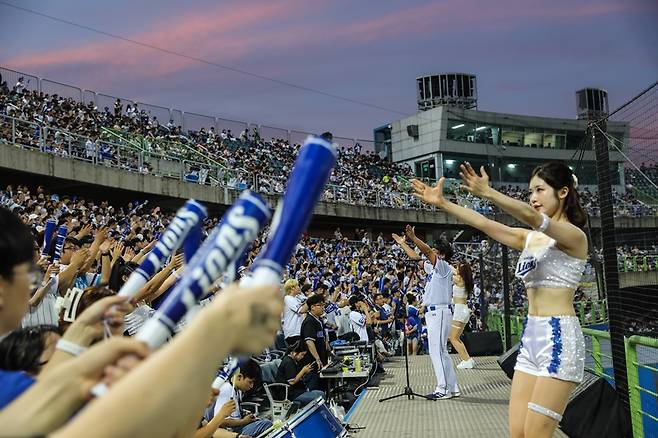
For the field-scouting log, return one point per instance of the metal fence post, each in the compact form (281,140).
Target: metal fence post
(633,386)
(596,354)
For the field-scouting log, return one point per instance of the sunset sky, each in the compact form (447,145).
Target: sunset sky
(530,56)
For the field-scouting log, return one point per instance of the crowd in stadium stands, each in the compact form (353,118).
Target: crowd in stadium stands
(362,282)
(65,127)
(141,227)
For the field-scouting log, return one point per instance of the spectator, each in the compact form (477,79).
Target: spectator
(293,311)
(292,372)
(413,327)
(313,334)
(360,318)
(240,420)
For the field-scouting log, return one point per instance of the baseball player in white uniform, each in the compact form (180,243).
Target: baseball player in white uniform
(438,316)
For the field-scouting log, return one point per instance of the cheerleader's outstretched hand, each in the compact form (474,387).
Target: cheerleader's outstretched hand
(429,194)
(473,183)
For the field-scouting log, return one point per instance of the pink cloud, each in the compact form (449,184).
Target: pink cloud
(209,34)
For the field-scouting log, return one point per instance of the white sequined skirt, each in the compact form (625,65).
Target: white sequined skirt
(461,313)
(552,346)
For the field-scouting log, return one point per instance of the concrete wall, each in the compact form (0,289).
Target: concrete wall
(77,174)
(405,147)
(638,279)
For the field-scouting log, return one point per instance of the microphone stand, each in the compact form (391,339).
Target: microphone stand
(407,389)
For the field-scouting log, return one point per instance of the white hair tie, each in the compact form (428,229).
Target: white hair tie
(575,180)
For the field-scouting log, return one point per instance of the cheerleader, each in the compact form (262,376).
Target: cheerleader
(462,280)
(551,358)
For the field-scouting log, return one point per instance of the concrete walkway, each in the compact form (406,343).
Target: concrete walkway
(481,411)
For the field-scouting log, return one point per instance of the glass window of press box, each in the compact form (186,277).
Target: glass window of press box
(518,171)
(451,164)
(532,137)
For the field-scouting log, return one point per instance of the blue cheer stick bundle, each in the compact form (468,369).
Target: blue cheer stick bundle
(237,229)
(187,217)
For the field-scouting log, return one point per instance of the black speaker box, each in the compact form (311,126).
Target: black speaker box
(594,410)
(483,343)
(508,360)
(412,131)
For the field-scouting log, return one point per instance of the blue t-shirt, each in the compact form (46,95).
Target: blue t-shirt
(12,385)
(413,320)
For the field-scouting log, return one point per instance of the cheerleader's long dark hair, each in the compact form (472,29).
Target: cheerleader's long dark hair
(466,273)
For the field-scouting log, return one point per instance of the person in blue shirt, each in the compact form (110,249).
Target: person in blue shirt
(22,355)
(18,277)
(412,326)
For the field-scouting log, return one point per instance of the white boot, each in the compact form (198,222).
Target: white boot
(466,364)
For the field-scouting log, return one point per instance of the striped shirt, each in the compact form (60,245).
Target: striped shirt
(45,311)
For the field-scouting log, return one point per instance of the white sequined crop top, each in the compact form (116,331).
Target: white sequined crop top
(458,292)
(548,267)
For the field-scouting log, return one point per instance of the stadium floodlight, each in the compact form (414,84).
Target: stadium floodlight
(450,162)
(461,125)
(480,128)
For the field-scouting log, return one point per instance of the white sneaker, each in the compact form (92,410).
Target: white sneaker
(466,364)
(456,394)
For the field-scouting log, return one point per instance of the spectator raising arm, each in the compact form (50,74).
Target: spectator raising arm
(149,290)
(413,255)
(241,321)
(88,327)
(422,246)
(67,276)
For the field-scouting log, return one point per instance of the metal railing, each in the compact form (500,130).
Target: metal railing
(597,344)
(638,263)
(115,150)
(642,371)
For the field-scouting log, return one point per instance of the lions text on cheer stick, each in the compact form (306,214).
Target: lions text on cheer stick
(237,229)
